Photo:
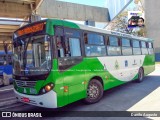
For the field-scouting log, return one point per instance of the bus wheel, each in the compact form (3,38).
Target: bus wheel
(94,92)
(140,75)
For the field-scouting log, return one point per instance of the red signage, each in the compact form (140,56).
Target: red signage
(31,29)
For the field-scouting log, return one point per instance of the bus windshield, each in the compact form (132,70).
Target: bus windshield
(32,55)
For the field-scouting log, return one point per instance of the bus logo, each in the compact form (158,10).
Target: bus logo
(105,68)
(6,114)
(126,63)
(116,65)
(134,63)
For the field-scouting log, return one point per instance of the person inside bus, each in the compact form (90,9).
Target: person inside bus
(141,22)
(59,47)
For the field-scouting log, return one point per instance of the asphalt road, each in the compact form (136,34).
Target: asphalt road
(122,98)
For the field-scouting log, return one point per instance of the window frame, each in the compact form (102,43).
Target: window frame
(126,39)
(152,47)
(118,38)
(130,43)
(67,37)
(141,44)
(136,40)
(104,41)
(119,44)
(94,33)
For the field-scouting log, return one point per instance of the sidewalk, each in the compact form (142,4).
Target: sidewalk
(152,101)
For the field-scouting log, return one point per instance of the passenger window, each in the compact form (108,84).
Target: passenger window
(136,47)
(143,44)
(74,45)
(126,42)
(93,50)
(93,38)
(150,45)
(144,48)
(113,47)
(136,44)
(94,44)
(70,47)
(150,48)
(60,48)
(71,33)
(126,47)
(59,31)
(113,41)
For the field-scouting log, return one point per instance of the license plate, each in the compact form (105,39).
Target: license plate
(32,91)
(24,99)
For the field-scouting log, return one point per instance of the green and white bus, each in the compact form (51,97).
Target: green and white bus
(69,62)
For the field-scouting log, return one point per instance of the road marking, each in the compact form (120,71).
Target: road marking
(6,90)
(10,98)
(12,106)
(8,102)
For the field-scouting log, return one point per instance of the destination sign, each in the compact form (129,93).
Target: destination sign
(31,29)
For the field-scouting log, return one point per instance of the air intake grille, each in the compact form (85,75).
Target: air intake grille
(29,84)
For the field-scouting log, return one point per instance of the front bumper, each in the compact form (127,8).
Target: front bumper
(48,100)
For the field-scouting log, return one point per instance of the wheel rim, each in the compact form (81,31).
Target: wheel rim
(93,91)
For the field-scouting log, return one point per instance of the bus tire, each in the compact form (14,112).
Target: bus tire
(94,92)
(140,75)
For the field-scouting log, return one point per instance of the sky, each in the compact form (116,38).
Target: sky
(98,3)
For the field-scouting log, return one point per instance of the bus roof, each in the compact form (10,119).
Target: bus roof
(98,30)
(69,24)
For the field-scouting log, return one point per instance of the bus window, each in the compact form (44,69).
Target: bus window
(126,47)
(69,47)
(150,45)
(150,48)
(136,47)
(114,46)
(74,45)
(60,49)
(113,41)
(95,39)
(144,48)
(94,44)
(59,31)
(72,33)
(136,44)
(126,42)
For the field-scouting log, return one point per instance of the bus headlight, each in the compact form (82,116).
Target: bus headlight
(46,88)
